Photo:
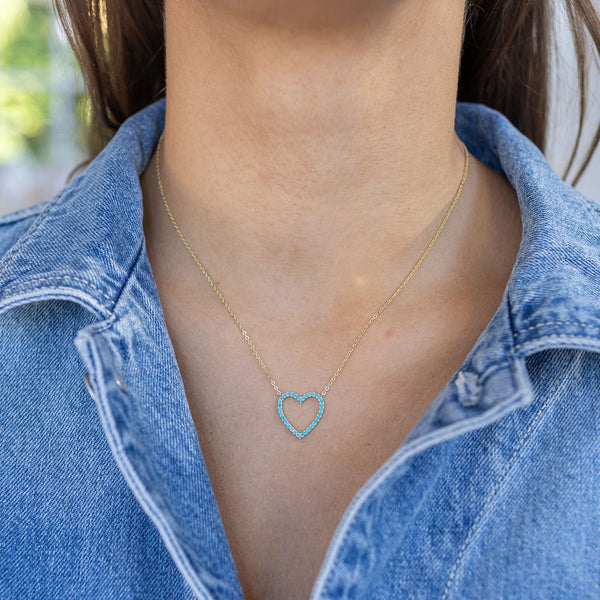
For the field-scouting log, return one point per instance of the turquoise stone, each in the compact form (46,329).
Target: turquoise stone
(300,434)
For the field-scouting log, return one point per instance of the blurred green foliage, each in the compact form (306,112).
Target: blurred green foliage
(24,116)
(24,94)
(26,79)
(24,32)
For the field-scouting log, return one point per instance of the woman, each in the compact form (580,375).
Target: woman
(425,313)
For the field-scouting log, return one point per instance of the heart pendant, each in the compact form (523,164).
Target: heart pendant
(300,434)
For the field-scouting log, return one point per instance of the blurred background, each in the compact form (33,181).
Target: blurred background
(42,107)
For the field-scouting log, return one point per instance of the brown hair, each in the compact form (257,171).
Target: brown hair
(507,51)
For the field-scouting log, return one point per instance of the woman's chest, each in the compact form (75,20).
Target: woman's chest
(281,498)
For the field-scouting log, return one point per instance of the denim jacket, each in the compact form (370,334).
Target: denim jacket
(104,493)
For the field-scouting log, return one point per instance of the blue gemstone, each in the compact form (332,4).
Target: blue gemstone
(300,434)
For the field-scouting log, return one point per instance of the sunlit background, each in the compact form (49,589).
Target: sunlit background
(42,106)
(40,98)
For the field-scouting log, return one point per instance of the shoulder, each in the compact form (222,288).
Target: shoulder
(15,225)
(579,208)
(26,330)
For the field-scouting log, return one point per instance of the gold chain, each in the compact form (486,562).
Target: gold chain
(375,315)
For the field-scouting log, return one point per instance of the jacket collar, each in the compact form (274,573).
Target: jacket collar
(551,299)
(83,244)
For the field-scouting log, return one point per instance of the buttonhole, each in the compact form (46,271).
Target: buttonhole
(120,383)
(469,388)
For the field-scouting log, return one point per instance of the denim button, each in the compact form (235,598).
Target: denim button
(88,385)
(120,383)
(468,386)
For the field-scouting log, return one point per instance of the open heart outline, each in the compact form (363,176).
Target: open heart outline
(300,434)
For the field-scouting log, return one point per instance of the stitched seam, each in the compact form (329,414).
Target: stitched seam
(25,284)
(21,215)
(10,255)
(100,313)
(129,271)
(132,478)
(511,318)
(555,336)
(559,382)
(556,323)
(109,322)
(485,375)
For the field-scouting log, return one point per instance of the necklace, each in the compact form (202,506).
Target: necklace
(284,395)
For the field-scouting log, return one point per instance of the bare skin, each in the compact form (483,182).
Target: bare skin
(309,156)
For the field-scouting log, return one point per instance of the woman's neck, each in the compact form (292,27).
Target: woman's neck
(314,138)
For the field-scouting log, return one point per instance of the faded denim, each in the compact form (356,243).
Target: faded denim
(104,494)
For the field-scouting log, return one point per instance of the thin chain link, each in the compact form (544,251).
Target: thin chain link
(364,330)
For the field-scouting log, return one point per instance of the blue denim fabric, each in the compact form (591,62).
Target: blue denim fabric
(495,494)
